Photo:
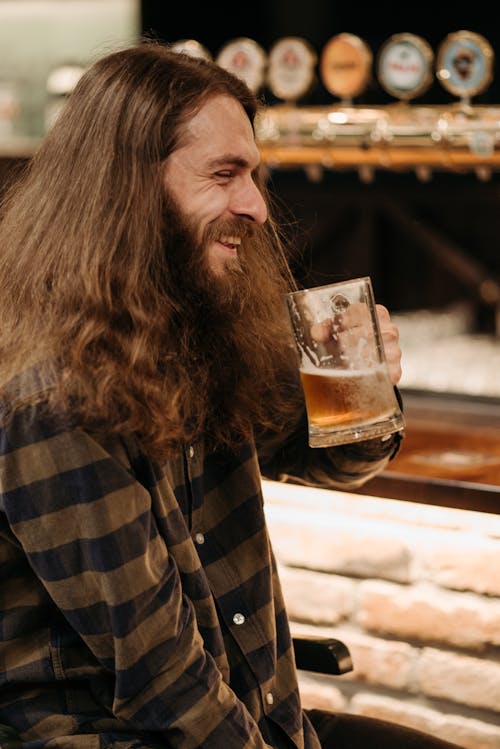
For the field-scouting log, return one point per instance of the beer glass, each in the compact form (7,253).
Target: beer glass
(348,392)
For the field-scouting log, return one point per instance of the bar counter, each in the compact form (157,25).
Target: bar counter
(413,591)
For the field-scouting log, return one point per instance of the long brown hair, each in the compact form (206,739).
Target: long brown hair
(85,271)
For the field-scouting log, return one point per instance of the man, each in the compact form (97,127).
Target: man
(143,348)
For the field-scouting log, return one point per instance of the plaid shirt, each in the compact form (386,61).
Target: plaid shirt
(140,602)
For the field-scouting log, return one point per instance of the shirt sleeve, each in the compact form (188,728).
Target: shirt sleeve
(287,454)
(91,538)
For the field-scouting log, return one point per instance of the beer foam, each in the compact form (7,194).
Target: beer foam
(309,368)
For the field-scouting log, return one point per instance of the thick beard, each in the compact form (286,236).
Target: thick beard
(206,298)
(226,331)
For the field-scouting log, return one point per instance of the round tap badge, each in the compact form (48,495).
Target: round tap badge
(191,47)
(246,59)
(345,65)
(290,72)
(465,63)
(404,66)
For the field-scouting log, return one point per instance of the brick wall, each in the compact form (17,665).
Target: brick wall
(412,589)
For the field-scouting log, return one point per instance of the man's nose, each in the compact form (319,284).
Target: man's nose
(249,202)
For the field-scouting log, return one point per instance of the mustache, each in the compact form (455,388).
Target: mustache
(230,227)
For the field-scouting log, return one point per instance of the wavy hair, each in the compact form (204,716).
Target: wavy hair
(87,269)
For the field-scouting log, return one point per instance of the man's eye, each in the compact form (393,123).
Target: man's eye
(224,174)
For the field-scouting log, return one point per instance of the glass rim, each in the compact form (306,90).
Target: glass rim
(335,284)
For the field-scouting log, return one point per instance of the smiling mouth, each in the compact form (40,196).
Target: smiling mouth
(230,243)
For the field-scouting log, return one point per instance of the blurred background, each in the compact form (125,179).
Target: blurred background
(347,221)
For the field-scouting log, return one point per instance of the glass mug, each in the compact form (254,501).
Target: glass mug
(348,392)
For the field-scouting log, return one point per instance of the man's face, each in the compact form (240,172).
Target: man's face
(211,179)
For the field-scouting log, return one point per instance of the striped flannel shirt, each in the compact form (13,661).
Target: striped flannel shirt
(140,602)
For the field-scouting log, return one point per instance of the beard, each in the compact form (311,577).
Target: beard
(209,304)
(229,339)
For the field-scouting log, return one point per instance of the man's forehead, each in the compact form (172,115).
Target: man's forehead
(221,120)
(222,133)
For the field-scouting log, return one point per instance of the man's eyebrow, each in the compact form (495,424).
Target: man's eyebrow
(229,158)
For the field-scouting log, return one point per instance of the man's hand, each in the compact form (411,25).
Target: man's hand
(343,331)
(390,338)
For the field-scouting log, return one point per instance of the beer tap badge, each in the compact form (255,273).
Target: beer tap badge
(246,59)
(404,66)
(346,65)
(192,48)
(290,74)
(465,63)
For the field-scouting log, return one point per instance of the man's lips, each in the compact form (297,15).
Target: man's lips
(230,243)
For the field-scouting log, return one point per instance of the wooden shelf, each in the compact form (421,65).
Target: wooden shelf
(396,158)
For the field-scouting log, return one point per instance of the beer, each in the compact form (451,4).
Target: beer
(348,391)
(342,398)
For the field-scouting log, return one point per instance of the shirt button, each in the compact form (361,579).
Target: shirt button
(191,451)
(199,538)
(269,698)
(238,618)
